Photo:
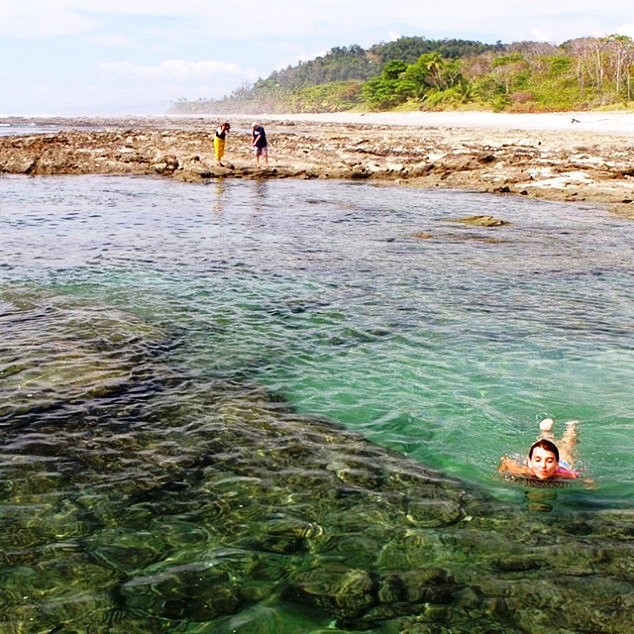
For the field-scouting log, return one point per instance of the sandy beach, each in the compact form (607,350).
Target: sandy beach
(580,157)
(620,123)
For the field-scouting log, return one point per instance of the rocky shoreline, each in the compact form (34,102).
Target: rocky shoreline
(575,165)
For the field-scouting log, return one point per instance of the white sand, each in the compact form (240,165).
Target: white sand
(620,123)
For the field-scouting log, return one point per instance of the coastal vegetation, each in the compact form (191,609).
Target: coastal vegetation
(414,73)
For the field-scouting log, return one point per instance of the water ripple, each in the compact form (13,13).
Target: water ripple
(183,368)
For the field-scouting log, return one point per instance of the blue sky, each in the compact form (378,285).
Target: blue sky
(70,57)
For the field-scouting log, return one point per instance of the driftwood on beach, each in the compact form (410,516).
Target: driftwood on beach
(569,165)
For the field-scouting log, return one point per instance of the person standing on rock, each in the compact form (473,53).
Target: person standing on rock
(260,144)
(219,141)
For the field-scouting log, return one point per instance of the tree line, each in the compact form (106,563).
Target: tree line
(413,73)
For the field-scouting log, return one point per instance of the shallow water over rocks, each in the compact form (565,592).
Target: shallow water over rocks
(205,501)
(160,474)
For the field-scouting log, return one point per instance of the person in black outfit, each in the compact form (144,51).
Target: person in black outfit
(260,144)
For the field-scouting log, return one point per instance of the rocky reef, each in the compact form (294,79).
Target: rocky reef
(571,166)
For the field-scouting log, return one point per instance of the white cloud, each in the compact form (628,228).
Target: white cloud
(538,35)
(178,69)
(626,29)
(53,18)
(345,23)
(115,41)
(168,81)
(38,18)
(306,57)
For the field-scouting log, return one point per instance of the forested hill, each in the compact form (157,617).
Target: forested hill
(355,63)
(414,73)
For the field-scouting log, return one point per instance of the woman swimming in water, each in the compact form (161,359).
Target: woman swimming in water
(546,460)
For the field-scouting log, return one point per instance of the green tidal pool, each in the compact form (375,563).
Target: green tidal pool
(280,406)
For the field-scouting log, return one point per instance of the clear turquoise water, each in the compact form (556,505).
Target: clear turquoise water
(448,349)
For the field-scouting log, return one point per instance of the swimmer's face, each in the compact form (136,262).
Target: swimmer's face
(543,463)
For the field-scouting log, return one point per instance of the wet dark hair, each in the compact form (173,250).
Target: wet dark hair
(548,445)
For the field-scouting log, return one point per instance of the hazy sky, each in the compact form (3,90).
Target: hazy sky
(138,56)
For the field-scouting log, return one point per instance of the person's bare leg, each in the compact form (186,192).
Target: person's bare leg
(568,443)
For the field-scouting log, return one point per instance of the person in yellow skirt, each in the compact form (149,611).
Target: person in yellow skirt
(219,141)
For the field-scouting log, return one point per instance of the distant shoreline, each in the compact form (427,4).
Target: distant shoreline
(574,157)
(619,122)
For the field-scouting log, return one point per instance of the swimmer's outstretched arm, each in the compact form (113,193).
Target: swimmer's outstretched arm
(508,465)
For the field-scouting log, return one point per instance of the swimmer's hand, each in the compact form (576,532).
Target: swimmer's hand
(508,465)
(589,484)
(505,464)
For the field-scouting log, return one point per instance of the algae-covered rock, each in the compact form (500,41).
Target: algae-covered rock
(346,592)
(57,349)
(196,592)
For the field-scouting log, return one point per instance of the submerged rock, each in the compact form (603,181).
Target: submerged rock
(57,349)
(483,221)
